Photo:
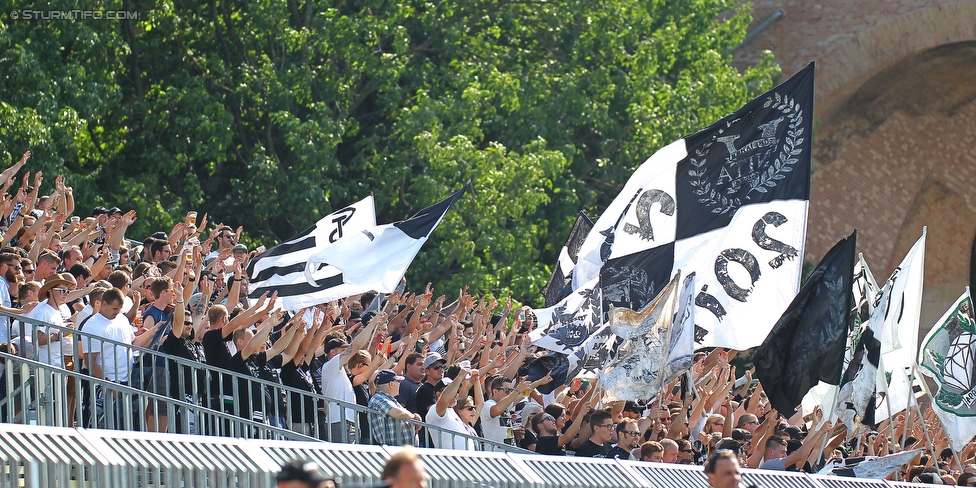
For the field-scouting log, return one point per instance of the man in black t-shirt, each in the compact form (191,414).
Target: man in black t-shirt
(598,445)
(217,351)
(185,383)
(253,359)
(628,439)
(551,442)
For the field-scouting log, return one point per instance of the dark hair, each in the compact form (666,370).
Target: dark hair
(80,269)
(414,357)
(10,259)
(775,439)
(713,460)
(499,382)
(729,444)
(598,416)
(622,425)
(112,296)
(555,409)
(157,246)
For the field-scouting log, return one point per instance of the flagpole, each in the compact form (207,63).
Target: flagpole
(828,418)
(925,429)
(891,423)
(911,399)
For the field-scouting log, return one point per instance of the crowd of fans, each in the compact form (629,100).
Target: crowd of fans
(454,361)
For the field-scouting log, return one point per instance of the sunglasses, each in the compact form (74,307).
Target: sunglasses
(28,271)
(64,291)
(633,433)
(469,408)
(507,390)
(437,366)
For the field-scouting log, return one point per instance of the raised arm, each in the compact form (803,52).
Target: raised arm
(264,330)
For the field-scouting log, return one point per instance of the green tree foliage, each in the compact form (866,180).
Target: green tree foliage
(270,114)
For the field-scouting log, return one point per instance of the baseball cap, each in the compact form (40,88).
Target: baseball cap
(302,471)
(240,247)
(633,407)
(387,375)
(433,358)
(334,343)
(741,435)
(794,432)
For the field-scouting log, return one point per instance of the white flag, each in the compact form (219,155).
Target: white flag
(376,258)
(899,395)
(895,319)
(947,356)
(282,268)
(565,326)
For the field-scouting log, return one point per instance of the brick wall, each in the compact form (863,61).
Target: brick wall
(905,168)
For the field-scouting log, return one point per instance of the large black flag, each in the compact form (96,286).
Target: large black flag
(559,286)
(807,343)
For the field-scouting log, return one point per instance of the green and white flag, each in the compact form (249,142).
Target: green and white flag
(948,356)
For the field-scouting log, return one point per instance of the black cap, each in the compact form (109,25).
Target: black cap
(160,235)
(792,445)
(305,472)
(794,432)
(99,210)
(114,210)
(633,407)
(334,343)
(741,435)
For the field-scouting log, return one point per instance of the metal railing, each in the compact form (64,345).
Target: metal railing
(57,457)
(214,401)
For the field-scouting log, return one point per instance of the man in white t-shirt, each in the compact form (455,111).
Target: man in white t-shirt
(496,419)
(443,415)
(335,381)
(47,341)
(105,359)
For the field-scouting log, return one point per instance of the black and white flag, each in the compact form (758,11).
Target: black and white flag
(282,268)
(574,331)
(559,285)
(565,326)
(728,203)
(656,343)
(375,258)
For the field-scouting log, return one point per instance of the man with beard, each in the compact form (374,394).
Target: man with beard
(628,439)
(9,265)
(551,442)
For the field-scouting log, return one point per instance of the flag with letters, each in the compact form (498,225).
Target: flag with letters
(374,259)
(728,203)
(282,268)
